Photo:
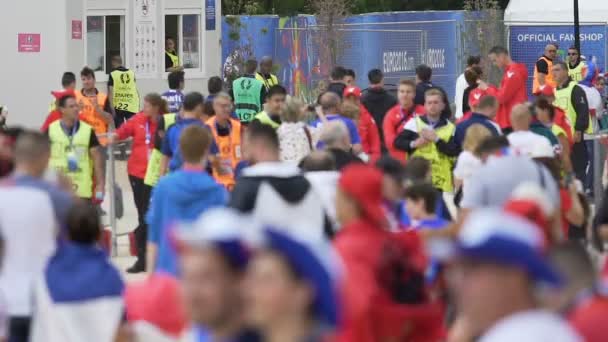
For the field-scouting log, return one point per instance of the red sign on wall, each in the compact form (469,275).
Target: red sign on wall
(76,29)
(28,42)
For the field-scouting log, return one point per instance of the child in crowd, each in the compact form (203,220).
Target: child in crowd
(420,203)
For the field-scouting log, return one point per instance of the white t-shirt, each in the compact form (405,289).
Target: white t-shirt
(466,165)
(523,142)
(461,86)
(531,326)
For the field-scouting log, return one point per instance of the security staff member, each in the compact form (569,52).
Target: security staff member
(275,100)
(248,93)
(571,98)
(432,137)
(577,68)
(94,106)
(265,75)
(542,70)
(172,62)
(75,151)
(227,134)
(122,91)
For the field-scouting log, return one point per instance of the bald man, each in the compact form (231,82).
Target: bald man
(330,110)
(265,74)
(542,70)
(522,140)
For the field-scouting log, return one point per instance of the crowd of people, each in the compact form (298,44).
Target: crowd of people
(362,217)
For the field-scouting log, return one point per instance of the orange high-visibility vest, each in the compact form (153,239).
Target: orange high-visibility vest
(90,116)
(230,151)
(548,79)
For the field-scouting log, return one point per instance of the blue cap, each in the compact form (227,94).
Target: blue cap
(219,228)
(314,262)
(502,238)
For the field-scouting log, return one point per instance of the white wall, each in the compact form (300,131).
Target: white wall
(26,79)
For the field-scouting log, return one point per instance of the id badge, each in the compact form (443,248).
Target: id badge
(72,162)
(237,152)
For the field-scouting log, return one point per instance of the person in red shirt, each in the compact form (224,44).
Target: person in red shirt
(397,116)
(142,128)
(368,130)
(512,89)
(55,114)
(383,290)
(590,316)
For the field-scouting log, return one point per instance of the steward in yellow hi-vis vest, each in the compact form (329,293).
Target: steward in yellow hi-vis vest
(572,99)
(153,169)
(432,138)
(265,74)
(125,96)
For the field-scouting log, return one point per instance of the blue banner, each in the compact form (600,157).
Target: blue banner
(210,21)
(527,43)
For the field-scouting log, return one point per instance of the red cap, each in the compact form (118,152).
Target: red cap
(475,96)
(59,94)
(157,300)
(545,90)
(364,184)
(352,91)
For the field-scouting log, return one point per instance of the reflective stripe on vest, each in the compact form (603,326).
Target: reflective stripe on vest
(548,77)
(124,91)
(230,151)
(247,92)
(174,59)
(90,116)
(264,118)
(441,165)
(268,82)
(563,100)
(82,178)
(577,73)
(153,168)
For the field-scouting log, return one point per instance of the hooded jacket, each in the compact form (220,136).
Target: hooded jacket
(378,101)
(179,197)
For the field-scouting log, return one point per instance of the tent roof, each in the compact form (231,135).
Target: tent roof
(555,11)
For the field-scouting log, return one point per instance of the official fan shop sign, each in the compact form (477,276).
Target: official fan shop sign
(28,42)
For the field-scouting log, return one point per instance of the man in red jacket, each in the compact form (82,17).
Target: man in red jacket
(366,125)
(382,295)
(397,116)
(512,89)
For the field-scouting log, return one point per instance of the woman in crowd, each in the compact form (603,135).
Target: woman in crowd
(142,128)
(468,162)
(295,138)
(545,113)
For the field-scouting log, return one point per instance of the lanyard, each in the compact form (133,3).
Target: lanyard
(148,138)
(69,133)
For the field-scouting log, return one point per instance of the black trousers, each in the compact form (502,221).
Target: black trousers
(141,196)
(580,159)
(19,329)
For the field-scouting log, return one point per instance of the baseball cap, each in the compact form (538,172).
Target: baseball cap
(364,184)
(352,91)
(496,236)
(314,261)
(545,90)
(59,94)
(219,228)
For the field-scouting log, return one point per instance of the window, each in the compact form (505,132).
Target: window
(184,30)
(105,38)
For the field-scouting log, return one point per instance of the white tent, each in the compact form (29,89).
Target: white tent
(544,12)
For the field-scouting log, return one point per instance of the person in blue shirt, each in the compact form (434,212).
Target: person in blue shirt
(192,114)
(330,110)
(483,114)
(174,96)
(420,205)
(181,197)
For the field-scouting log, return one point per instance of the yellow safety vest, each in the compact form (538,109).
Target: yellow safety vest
(124,91)
(563,100)
(577,73)
(441,165)
(153,169)
(272,81)
(174,59)
(264,118)
(78,146)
